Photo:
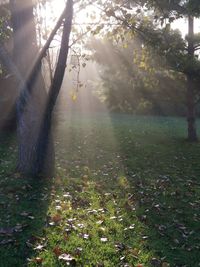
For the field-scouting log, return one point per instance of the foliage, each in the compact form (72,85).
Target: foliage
(151,21)
(135,80)
(155,30)
(175,8)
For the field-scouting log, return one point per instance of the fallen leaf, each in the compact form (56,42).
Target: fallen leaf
(120,246)
(56,218)
(39,247)
(38,260)
(57,251)
(67,258)
(86,236)
(25,214)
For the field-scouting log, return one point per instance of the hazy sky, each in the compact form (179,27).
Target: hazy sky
(182,25)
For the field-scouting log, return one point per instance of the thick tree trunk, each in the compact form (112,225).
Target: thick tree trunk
(30,107)
(191,116)
(28,160)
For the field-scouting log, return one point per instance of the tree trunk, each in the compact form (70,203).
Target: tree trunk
(191,116)
(27,160)
(44,134)
(30,112)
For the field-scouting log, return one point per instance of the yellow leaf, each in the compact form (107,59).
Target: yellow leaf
(74,97)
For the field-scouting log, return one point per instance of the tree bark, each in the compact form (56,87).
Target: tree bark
(44,134)
(27,152)
(191,116)
(29,113)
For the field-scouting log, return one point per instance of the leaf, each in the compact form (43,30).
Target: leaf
(74,97)
(86,236)
(57,251)
(67,196)
(25,214)
(39,247)
(81,225)
(58,208)
(132,226)
(56,218)
(120,246)
(31,217)
(67,258)
(19,227)
(38,260)
(100,222)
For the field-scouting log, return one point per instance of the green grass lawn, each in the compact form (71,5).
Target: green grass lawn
(126,193)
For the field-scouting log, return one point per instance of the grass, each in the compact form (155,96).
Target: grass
(126,193)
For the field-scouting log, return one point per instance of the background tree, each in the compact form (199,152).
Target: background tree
(133,81)
(187,58)
(180,54)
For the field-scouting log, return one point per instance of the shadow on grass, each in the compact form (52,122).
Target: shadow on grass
(164,172)
(23,208)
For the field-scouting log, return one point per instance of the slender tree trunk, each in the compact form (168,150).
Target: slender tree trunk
(191,116)
(44,134)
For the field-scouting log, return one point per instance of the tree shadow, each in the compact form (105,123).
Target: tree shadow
(163,170)
(23,210)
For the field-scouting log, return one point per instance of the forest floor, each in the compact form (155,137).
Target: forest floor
(126,193)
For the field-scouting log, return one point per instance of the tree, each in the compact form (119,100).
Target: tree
(134,80)
(189,9)
(38,162)
(44,133)
(181,54)
(24,50)
(36,152)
